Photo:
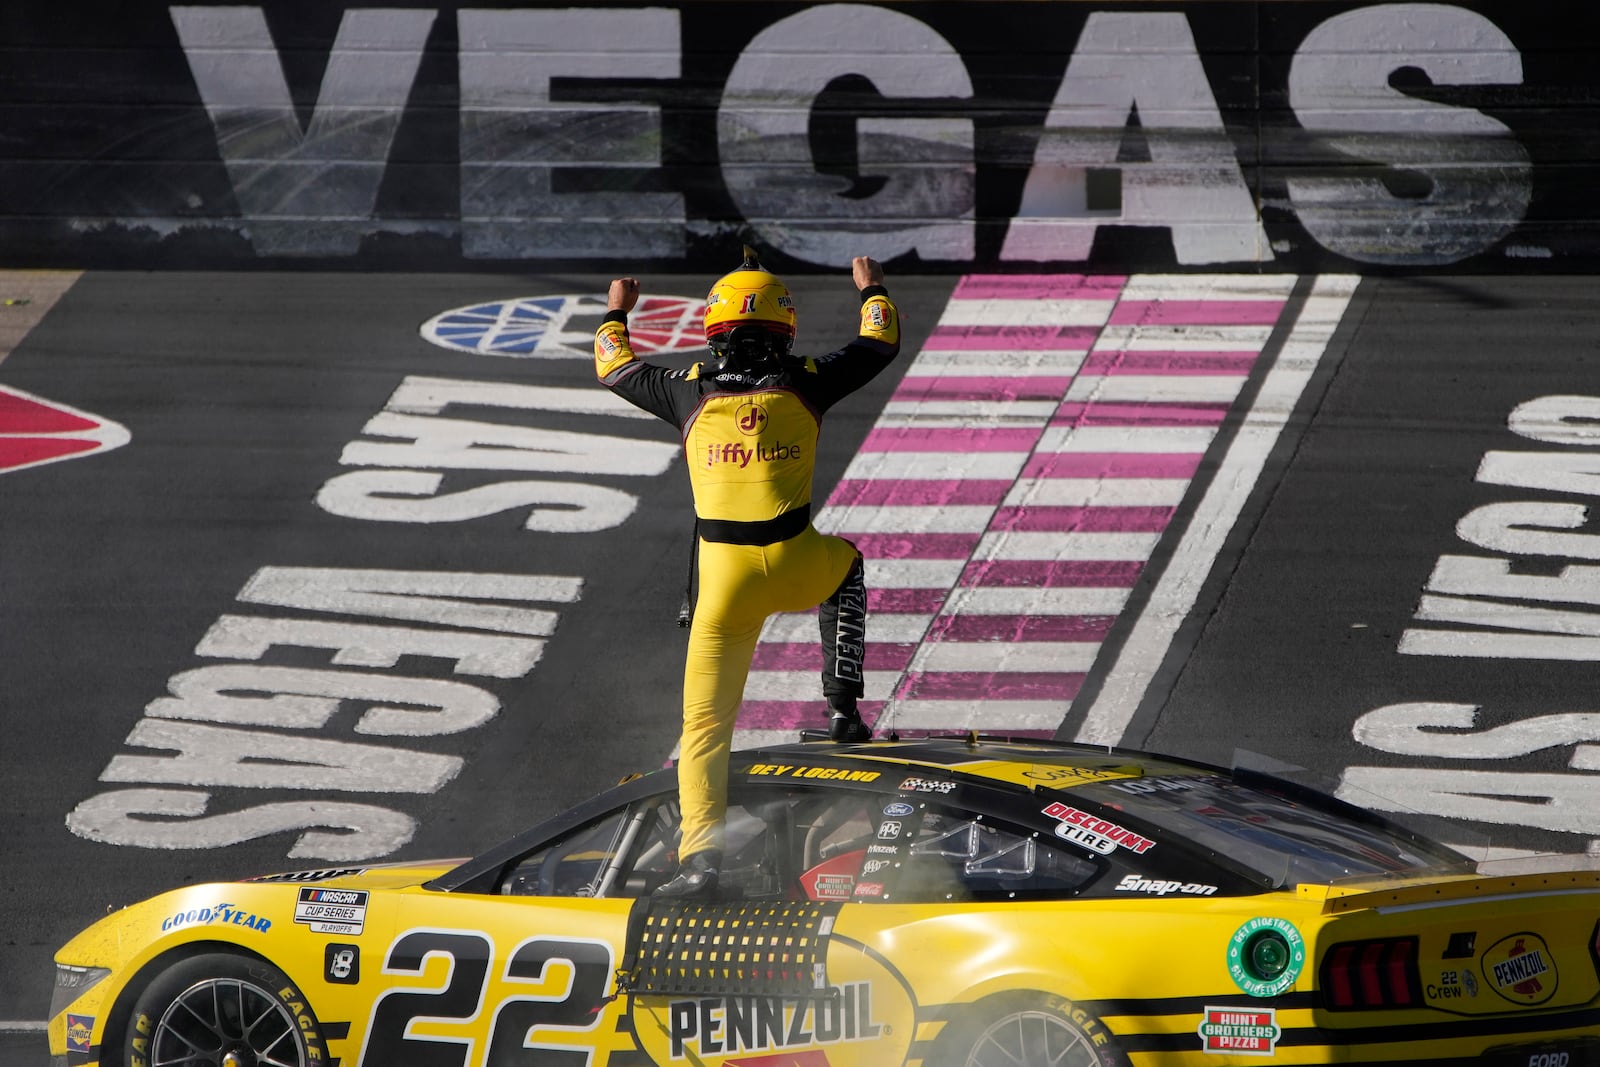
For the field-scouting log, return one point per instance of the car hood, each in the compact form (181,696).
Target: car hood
(378,876)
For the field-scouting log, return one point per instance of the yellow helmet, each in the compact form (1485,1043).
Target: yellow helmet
(750,297)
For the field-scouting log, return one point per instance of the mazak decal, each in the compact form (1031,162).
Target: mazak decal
(722,1026)
(331,911)
(1095,833)
(1521,969)
(35,431)
(216,913)
(1245,1031)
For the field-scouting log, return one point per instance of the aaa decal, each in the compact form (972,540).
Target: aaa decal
(563,327)
(35,431)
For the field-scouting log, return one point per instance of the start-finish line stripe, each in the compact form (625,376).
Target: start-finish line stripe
(1024,471)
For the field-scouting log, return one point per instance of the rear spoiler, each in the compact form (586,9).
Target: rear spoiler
(1558,883)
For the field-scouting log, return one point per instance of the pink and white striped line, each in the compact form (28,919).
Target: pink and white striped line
(1013,490)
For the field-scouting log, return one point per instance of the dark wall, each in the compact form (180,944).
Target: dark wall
(941,136)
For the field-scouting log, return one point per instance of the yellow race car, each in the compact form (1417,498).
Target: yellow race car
(940,901)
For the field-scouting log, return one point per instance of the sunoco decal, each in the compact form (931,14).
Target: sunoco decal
(1095,833)
(80,1030)
(1521,969)
(1242,1031)
(331,911)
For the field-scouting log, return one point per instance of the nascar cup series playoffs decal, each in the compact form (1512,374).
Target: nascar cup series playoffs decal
(331,911)
(562,327)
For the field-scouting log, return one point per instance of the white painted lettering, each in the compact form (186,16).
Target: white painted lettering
(1558,420)
(442,598)
(1490,577)
(310,192)
(296,698)
(915,183)
(1477,177)
(1520,529)
(1448,731)
(359,645)
(515,138)
(467,445)
(1145,61)
(1559,802)
(176,819)
(409,496)
(257,759)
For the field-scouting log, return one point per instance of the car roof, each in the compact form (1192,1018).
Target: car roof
(1030,762)
(1007,763)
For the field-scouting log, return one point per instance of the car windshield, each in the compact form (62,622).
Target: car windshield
(1285,840)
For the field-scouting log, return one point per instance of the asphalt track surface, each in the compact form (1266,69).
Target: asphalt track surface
(1298,590)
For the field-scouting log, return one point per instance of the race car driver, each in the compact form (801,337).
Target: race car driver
(749,420)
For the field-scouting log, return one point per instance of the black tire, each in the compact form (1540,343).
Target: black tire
(1026,1030)
(209,1006)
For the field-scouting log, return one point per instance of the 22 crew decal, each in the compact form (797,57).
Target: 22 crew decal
(402,1017)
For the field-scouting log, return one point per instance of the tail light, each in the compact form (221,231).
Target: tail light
(1360,975)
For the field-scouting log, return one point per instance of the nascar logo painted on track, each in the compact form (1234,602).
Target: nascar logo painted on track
(34,431)
(562,327)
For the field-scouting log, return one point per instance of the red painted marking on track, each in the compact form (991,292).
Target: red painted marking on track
(980,388)
(948,439)
(1052,574)
(1018,628)
(913,545)
(34,431)
(1111,465)
(1039,287)
(21,414)
(1146,413)
(908,492)
(1082,520)
(1104,361)
(1011,338)
(1196,312)
(990,685)
(807,656)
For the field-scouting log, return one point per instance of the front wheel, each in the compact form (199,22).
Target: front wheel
(222,1010)
(1026,1030)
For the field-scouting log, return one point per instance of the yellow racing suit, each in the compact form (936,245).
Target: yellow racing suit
(750,438)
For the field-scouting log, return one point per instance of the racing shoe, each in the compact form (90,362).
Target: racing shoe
(697,877)
(845,725)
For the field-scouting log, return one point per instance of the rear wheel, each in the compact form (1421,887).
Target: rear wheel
(225,1011)
(1025,1030)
